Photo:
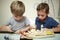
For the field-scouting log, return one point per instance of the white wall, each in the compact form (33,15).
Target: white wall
(4,10)
(54,8)
(30,12)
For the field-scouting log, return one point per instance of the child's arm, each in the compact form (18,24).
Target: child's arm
(5,28)
(29,28)
(56,29)
(23,30)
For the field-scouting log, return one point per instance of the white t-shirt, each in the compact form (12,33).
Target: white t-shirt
(17,25)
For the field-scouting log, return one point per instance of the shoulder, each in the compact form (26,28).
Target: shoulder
(25,18)
(49,18)
(36,19)
(11,19)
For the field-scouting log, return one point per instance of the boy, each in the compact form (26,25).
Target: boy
(18,23)
(43,21)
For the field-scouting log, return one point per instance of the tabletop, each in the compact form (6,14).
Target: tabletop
(55,37)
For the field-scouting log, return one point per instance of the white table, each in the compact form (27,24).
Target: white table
(55,37)
(3,36)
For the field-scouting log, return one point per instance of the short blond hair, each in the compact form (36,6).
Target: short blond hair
(17,8)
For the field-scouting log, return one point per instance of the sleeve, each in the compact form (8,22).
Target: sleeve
(54,23)
(7,23)
(37,23)
(27,21)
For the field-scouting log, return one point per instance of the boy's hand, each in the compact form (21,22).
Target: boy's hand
(19,31)
(46,29)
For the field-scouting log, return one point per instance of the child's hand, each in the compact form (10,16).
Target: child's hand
(19,31)
(46,29)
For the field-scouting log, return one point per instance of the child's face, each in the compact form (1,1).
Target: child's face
(42,15)
(17,18)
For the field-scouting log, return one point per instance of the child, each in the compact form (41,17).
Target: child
(42,19)
(18,23)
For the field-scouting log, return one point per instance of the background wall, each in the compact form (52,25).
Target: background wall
(30,6)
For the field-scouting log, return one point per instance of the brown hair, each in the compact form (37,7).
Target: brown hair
(17,8)
(43,6)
